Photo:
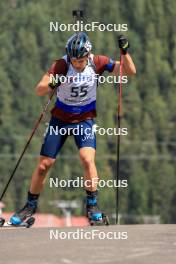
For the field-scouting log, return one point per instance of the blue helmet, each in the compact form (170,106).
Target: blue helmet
(78,46)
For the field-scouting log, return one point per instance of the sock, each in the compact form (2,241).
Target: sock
(32,199)
(91,199)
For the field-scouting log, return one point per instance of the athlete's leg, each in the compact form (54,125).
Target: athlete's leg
(52,145)
(40,173)
(50,148)
(87,156)
(87,150)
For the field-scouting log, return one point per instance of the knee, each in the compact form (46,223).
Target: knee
(44,165)
(87,160)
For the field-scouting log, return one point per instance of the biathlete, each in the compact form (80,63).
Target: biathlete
(75,106)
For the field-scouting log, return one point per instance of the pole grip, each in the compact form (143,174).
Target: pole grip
(77,13)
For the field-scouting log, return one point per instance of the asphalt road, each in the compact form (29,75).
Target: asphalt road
(135,244)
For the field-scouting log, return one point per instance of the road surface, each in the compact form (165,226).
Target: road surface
(131,244)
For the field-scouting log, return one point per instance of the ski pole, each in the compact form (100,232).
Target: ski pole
(119,113)
(28,142)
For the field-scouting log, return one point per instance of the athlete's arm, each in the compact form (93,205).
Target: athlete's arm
(104,63)
(46,84)
(42,87)
(128,67)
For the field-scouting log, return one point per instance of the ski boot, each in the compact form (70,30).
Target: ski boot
(94,215)
(20,217)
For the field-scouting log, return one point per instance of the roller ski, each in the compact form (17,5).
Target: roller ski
(94,215)
(23,217)
(28,223)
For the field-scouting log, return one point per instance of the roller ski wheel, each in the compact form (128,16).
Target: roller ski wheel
(28,223)
(106,220)
(97,218)
(2,221)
